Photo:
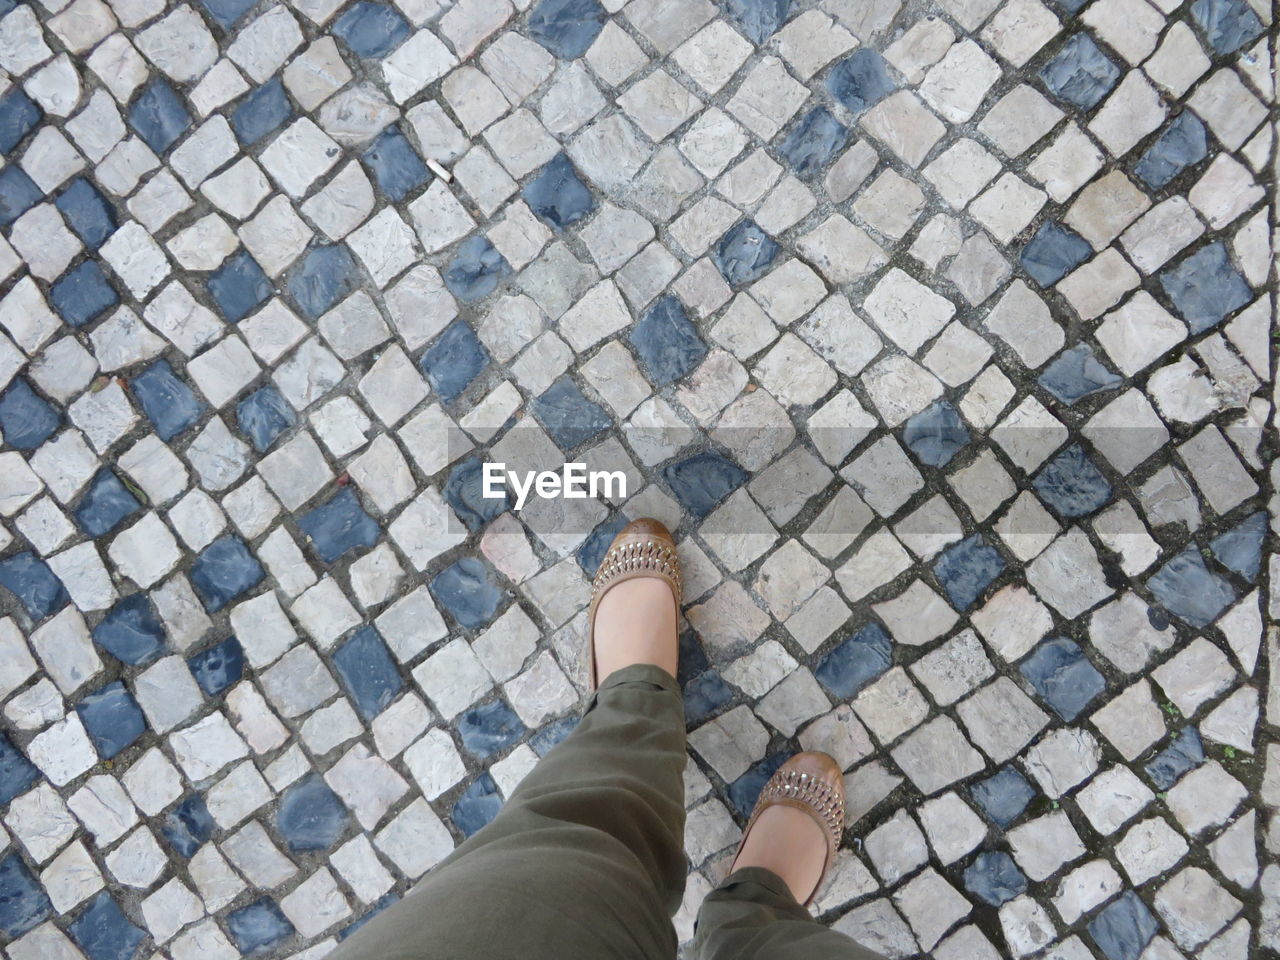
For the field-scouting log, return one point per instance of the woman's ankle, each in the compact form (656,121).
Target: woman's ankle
(636,623)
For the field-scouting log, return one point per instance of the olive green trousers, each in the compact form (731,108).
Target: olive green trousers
(586,861)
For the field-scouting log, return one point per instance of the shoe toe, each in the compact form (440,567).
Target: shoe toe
(645,527)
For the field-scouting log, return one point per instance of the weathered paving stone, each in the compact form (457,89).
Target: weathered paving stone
(1187,589)
(856,662)
(1063,676)
(994,878)
(1072,485)
(860,80)
(745,252)
(967,569)
(1205,287)
(936,434)
(570,418)
(1123,930)
(1076,374)
(558,195)
(1240,548)
(667,342)
(1183,143)
(131,631)
(1080,73)
(276,282)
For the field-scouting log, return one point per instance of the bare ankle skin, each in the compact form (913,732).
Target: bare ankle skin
(790,843)
(636,623)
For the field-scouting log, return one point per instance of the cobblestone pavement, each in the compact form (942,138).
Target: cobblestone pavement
(941,333)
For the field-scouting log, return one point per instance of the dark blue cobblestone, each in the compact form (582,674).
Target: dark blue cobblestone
(552,734)
(477,806)
(23,902)
(82,294)
(856,662)
(18,194)
(1063,676)
(1205,288)
(936,434)
(371,30)
(593,549)
(1185,587)
(745,791)
(667,342)
(323,278)
(1184,142)
(860,80)
(106,502)
(395,165)
(260,112)
(693,659)
(1053,252)
(17,773)
(465,492)
(87,212)
(29,579)
(238,287)
(759,19)
(1182,756)
(994,878)
(158,116)
(1240,548)
(263,416)
(1072,485)
(219,668)
(569,417)
(1003,796)
(338,526)
(227,12)
(169,404)
(966,569)
(26,418)
(745,253)
(1227,24)
(489,729)
(1080,73)
(131,631)
(703,481)
(223,571)
(310,817)
(814,142)
(1078,373)
(704,695)
(566,27)
(103,931)
(454,360)
(258,927)
(1124,927)
(557,194)
(368,672)
(19,115)
(467,590)
(475,270)
(188,826)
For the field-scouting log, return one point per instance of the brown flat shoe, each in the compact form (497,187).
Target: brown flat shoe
(812,783)
(643,548)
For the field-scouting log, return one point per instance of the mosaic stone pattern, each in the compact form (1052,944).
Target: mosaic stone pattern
(940,334)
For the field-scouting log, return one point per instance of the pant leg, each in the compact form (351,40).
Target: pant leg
(586,860)
(753,916)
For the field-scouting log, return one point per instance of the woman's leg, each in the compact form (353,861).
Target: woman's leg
(586,860)
(753,916)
